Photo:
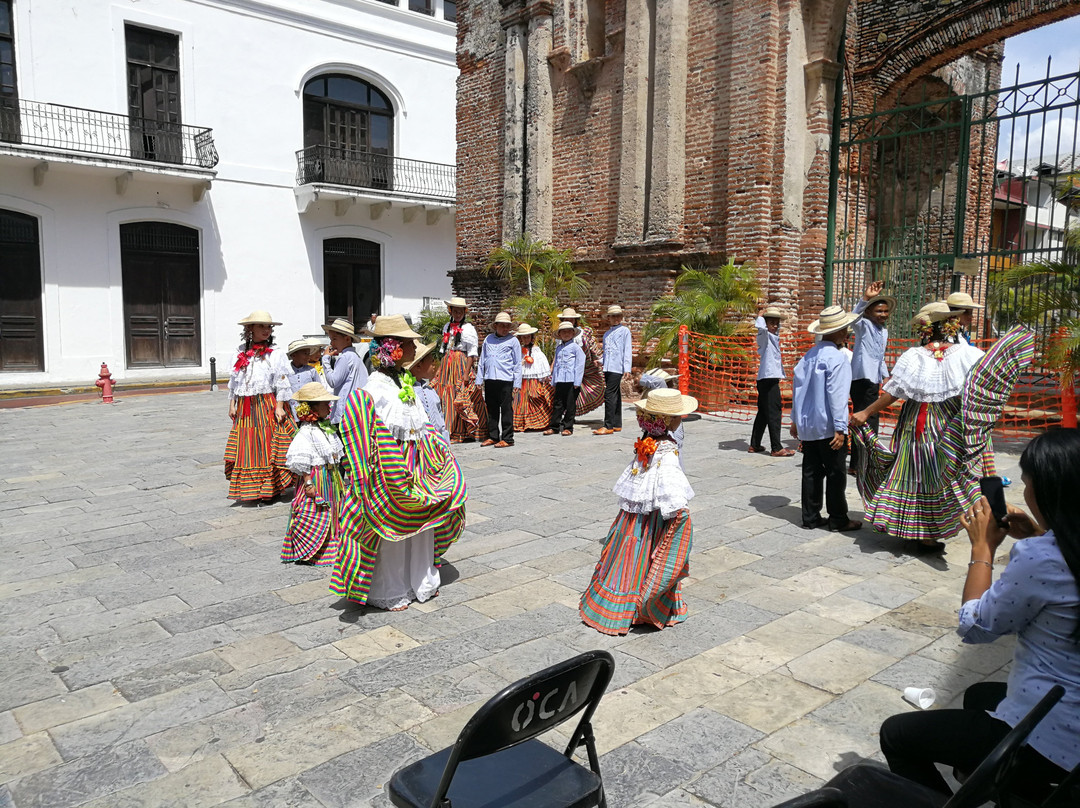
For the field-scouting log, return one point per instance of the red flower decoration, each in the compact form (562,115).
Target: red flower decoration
(645,449)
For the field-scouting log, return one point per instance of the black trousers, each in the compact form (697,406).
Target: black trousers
(863,393)
(499,399)
(913,742)
(564,407)
(612,400)
(770,408)
(823,471)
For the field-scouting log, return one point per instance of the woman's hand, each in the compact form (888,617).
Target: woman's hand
(858,418)
(233,408)
(1021,526)
(982,528)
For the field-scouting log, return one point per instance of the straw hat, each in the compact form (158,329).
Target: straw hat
(314,391)
(569,314)
(832,319)
(961,300)
(667,402)
(421,351)
(393,325)
(503,317)
(301,345)
(525,329)
(259,317)
(661,374)
(934,312)
(773,311)
(881,299)
(342,326)
(456,303)
(564,326)
(614,311)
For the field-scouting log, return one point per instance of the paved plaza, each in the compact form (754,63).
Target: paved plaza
(157,653)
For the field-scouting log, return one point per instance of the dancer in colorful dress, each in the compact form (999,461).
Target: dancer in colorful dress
(459,349)
(314,455)
(343,368)
(868,368)
(592,386)
(618,362)
(259,392)
(646,554)
(499,373)
(532,404)
(905,490)
(404,502)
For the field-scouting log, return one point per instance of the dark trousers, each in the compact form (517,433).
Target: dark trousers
(612,400)
(863,393)
(564,407)
(823,469)
(913,742)
(770,408)
(499,399)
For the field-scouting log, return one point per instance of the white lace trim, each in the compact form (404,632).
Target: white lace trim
(540,368)
(470,340)
(918,376)
(266,375)
(312,447)
(659,486)
(403,420)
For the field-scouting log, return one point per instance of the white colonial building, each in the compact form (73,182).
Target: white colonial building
(167,166)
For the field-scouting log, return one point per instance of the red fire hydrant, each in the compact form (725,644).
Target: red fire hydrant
(105,382)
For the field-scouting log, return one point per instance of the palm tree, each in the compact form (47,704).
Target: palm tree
(517,260)
(714,301)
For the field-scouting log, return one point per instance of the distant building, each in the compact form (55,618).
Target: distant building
(168,166)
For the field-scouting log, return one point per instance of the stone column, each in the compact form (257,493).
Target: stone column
(539,124)
(633,148)
(513,211)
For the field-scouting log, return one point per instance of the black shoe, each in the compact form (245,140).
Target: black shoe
(819,522)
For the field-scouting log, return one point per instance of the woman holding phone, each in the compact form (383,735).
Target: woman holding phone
(1036,597)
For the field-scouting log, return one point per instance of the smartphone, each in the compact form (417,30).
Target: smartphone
(994,492)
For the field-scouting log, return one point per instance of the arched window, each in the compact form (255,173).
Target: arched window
(346,113)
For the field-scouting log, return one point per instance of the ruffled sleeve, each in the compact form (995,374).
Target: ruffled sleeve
(312,447)
(661,485)
(404,420)
(279,367)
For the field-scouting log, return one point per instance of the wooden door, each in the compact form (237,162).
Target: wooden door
(20,294)
(352,285)
(160,266)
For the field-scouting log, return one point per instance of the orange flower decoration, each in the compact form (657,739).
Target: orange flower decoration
(645,449)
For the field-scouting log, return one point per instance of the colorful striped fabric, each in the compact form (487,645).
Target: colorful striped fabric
(394,493)
(640,572)
(462,401)
(313,524)
(593,383)
(255,452)
(532,405)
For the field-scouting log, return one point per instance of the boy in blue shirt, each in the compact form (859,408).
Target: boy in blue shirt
(567,371)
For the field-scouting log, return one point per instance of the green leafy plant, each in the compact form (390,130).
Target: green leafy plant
(519,260)
(431,324)
(717,301)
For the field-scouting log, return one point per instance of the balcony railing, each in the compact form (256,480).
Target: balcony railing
(379,172)
(107,134)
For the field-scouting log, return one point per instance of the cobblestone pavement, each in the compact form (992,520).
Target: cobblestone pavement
(156,652)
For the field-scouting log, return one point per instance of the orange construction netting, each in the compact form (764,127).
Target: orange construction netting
(723,374)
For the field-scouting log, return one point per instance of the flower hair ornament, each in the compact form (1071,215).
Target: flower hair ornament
(388,353)
(652,424)
(305,414)
(951,328)
(407,394)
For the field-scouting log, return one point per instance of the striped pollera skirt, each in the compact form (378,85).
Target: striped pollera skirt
(915,491)
(641,568)
(313,524)
(532,405)
(462,401)
(592,388)
(255,453)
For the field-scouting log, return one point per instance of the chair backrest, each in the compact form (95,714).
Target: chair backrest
(535,704)
(990,775)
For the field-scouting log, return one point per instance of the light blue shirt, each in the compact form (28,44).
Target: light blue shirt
(768,349)
(298,377)
(868,355)
(1036,599)
(821,384)
(618,350)
(345,373)
(568,364)
(429,398)
(500,360)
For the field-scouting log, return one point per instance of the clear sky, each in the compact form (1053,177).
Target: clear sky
(1055,132)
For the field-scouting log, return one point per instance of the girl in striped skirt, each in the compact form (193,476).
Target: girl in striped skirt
(592,385)
(262,427)
(462,401)
(646,554)
(532,401)
(314,455)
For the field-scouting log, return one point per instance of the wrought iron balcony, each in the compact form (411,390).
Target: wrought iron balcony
(379,172)
(104,134)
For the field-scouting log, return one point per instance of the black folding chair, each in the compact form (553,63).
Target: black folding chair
(497,762)
(868,785)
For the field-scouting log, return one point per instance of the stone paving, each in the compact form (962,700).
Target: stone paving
(156,652)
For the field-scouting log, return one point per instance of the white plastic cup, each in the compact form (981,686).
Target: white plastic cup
(921,697)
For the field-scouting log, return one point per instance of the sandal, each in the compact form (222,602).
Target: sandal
(783,453)
(851,525)
(756,449)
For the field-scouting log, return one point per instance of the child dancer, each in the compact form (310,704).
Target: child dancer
(300,370)
(567,372)
(658,379)
(262,429)
(344,369)
(314,454)
(423,369)
(647,551)
(532,404)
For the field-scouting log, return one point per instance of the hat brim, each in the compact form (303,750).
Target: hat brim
(967,307)
(323,397)
(816,327)
(407,334)
(422,353)
(881,299)
(450,304)
(935,316)
(331,330)
(258,322)
(689,404)
(774,315)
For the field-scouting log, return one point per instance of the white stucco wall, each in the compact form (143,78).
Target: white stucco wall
(243,66)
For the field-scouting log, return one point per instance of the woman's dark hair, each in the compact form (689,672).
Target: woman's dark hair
(464,319)
(1052,465)
(245,336)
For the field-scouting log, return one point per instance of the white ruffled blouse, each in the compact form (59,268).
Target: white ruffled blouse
(540,367)
(659,486)
(312,447)
(469,344)
(270,374)
(919,376)
(404,420)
